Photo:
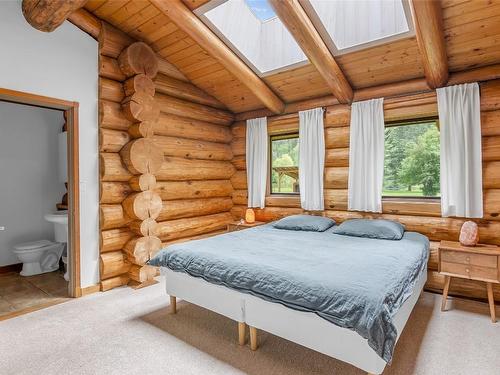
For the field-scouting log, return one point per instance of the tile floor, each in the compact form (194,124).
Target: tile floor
(18,292)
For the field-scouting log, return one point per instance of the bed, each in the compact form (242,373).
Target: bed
(346,297)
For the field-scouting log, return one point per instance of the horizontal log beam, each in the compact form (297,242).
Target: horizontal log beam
(185,90)
(113,264)
(184,127)
(192,149)
(111,116)
(114,239)
(112,169)
(184,208)
(239,180)
(48,15)
(179,107)
(114,282)
(114,192)
(86,21)
(173,190)
(112,140)
(181,169)
(173,229)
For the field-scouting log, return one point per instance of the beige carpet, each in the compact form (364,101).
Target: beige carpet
(129,331)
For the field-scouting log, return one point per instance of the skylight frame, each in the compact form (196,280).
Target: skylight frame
(200,12)
(330,43)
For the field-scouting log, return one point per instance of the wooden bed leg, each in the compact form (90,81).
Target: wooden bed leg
(173,305)
(241,333)
(253,338)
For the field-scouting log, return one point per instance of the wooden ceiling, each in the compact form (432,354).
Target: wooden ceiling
(471,27)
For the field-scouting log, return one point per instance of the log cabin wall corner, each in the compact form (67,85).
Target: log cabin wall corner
(165,160)
(423,217)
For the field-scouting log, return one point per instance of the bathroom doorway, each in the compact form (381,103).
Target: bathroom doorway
(65,215)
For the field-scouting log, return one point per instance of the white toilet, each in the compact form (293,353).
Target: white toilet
(43,256)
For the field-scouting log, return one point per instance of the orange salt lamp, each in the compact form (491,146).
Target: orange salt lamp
(250,216)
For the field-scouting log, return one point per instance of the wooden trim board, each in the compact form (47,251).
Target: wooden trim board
(11,268)
(71,111)
(89,290)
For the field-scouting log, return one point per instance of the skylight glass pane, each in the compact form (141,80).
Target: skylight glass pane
(261,9)
(263,42)
(351,23)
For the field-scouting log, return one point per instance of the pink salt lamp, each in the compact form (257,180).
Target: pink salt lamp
(250,216)
(469,234)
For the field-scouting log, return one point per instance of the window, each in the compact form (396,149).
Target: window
(284,164)
(254,32)
(411,167)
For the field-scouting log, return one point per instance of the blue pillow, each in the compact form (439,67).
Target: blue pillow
(371,228)
(305,222)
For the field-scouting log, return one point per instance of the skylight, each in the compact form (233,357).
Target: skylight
(252,30)
(346,25)
(261,9)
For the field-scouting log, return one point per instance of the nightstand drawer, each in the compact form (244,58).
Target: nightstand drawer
(470,271)
(469,259)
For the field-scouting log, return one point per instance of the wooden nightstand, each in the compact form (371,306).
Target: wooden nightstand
(231,227)
(481,263)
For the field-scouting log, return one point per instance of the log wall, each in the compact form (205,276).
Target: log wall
(423,217)
(194,181)
(165,159)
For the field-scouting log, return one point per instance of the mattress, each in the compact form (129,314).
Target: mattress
(355,283)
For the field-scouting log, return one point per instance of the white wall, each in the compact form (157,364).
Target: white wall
(62,64)
(30,186)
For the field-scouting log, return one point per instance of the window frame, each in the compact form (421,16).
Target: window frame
(277,137)
(409,122)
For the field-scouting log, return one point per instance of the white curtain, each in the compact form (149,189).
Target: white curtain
(257,150)
(366,156)
(311,159)
(461,168)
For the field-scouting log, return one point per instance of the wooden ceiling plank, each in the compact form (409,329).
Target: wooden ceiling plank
(108,8)
(468,11)
(471,31)
(195,49)
(139,19)
(428,21)
(92,5)
(196,29)
(124,13)
(176,47)
(194,4)
(171,38)
(305,34)
(198,70)
(150,29)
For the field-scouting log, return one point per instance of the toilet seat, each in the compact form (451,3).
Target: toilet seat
(34,245)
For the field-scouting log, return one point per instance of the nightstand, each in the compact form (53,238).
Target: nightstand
(231,227)
(480,262)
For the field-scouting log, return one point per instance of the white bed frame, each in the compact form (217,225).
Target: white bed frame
(304,328)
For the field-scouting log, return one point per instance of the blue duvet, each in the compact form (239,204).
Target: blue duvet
(355,283)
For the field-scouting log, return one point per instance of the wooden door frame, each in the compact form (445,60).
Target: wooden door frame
(71,112)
